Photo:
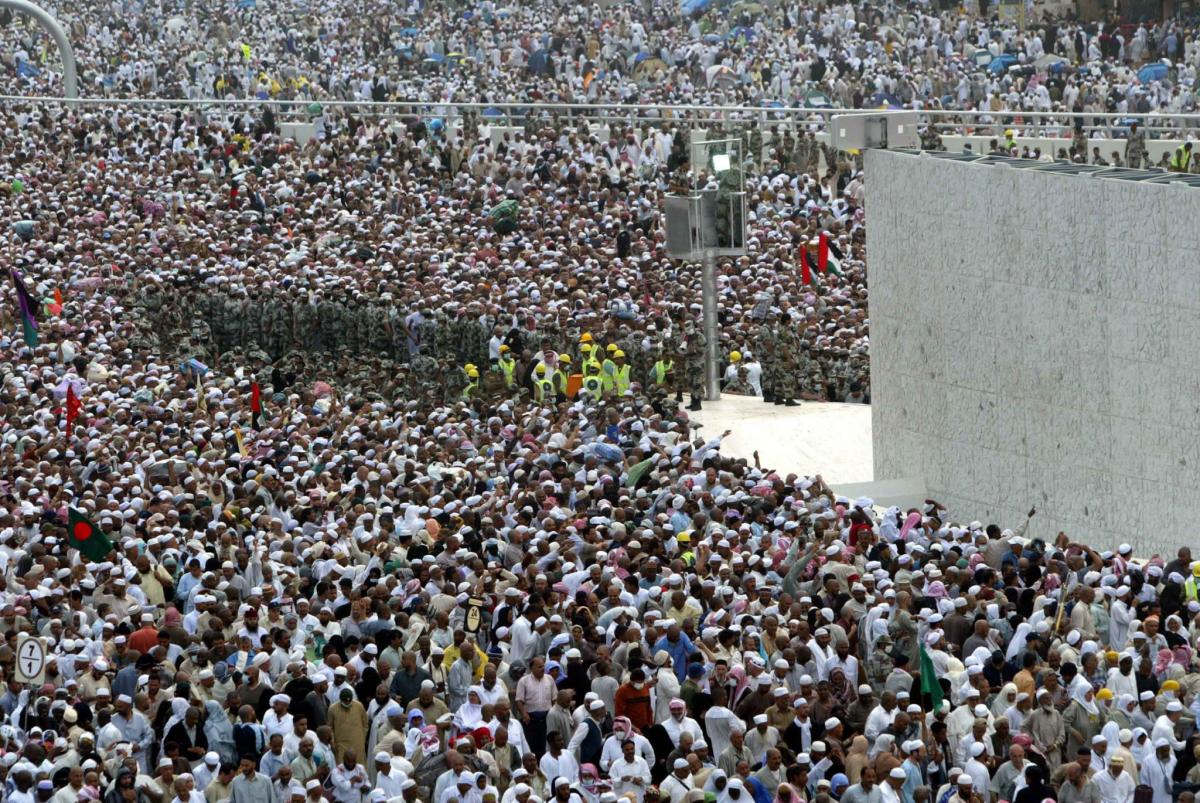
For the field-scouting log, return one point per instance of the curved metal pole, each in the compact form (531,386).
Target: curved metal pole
(65,51)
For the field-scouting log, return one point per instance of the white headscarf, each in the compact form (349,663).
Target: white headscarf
(1079,693)
(1002,703)
(1017,645)
(470,715)
(883,744)
(179,707)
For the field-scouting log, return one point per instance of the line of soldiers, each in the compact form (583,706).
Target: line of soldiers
(830,374)
(276,333)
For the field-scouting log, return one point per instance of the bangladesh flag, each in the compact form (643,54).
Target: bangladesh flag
(87,537)
(929,680)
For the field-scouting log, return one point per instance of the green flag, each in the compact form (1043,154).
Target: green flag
(637,471)
(929,680)
(87,537)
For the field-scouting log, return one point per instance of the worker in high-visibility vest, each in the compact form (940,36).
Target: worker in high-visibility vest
(561,373)
(508,365)
(1191,589)
(543,385)
(608,368)
(621,374)
(585,345)
(684,540)
(660,369)
(472,380)
(1182,159)
(592,381)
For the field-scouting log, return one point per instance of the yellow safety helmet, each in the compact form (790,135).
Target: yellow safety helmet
(1008,133)
(565,358)
(619,353)
(611,347)
(586,337)
(504,348)
(735,356)
(473,372)
(469,366)
(540,370)
(586,348)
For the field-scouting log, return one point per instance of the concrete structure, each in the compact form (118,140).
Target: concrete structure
(833,440)
(1034,340)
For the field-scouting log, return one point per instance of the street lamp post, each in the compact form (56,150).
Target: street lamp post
(65,51)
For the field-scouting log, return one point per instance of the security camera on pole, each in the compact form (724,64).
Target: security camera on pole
(706,219)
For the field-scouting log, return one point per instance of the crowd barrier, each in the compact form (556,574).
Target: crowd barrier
(1055,127)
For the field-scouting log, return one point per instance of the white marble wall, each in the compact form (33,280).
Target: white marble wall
(1035,339)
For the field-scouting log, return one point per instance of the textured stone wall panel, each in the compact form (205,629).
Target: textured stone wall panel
(1036,340)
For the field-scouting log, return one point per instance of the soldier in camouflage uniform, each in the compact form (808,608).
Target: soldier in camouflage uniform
(329,324)
(788,349)
(306,334)
(1135,147)
(454,384)
(787,151)
(931,140)
(754,147)
(695,347)
(812,160)
(423,378)
(1079,142)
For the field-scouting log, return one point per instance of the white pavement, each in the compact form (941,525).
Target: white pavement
(833,440)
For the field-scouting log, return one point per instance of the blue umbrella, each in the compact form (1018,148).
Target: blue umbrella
(608,452)
(539,62)
(998,65)
(409,31)
(743,32)
(711,38)
(1152,72)
(694,6)
(435,58)
(640,57)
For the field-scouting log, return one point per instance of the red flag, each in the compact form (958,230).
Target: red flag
(823,252)
(805,270)
(58,296)
(73,408)
(255,404)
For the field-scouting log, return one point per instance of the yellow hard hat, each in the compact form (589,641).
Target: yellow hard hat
(564,358)
(586,348)
(473,372)
(735,356)
(586,337)
(1104,694)
(1008,132)
(684,537)
(504,348)
(1196,568)
(618,353)
(469,366)
(611,347)
(540,370)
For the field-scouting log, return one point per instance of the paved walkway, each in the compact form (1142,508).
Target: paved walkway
(833,440)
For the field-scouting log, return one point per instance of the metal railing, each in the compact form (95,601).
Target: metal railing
(511,114)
